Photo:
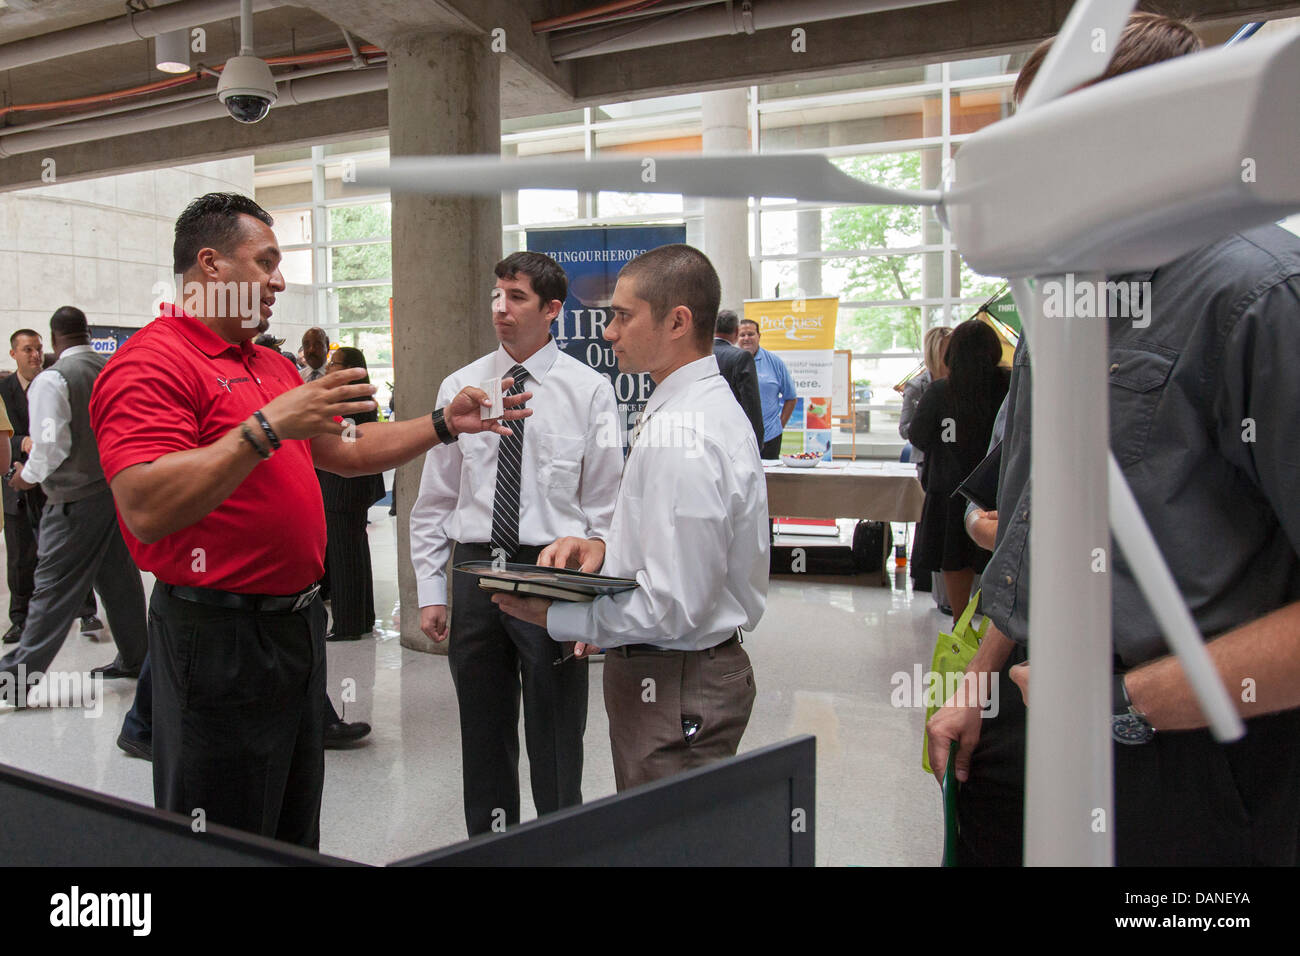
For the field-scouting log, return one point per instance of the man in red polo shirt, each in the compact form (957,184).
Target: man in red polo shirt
(209,444)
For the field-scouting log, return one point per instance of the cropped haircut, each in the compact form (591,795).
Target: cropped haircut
(545,274)
(675,275)
(1146,39)
(727,323)
(212,222)
(68,320)
(13,339)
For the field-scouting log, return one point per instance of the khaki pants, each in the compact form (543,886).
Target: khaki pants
(671,711)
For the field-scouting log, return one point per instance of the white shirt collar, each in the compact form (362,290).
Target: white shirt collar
(76,350)
(537,365)
(680,381)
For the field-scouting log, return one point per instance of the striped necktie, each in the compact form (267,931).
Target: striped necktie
(510,455)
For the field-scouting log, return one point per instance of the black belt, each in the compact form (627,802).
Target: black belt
(628,649)
(244,602)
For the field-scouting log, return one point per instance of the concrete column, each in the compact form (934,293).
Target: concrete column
(808,231)
(443,98)
(726,221)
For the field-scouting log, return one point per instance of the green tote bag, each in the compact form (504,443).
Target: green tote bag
(952,655)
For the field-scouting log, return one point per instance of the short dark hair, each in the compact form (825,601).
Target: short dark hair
(1147,38)
(727,323)
(675,275)
(68,320)
(754,322)
(547,278)
(212,222)
(14,338)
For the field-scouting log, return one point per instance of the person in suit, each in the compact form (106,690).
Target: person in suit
(23,508)
(315,353)
(347,549)
(737,368)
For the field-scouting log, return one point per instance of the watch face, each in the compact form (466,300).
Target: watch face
(1131,729)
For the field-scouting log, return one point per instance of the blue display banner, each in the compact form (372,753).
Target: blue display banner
(107,339)
(591,258)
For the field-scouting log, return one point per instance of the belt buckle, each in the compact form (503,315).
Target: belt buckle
(306,597)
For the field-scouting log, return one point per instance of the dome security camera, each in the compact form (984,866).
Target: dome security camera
(247,88)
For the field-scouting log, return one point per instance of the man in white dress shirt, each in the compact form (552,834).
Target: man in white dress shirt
(80,543)
(690,525)
(485,498)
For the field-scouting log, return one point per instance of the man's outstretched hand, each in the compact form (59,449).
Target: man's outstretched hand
(462,412)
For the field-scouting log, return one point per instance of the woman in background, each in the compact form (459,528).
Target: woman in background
(932,349)
(952,425)
(347,547)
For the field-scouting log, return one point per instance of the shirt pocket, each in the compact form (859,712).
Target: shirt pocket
(1137,382)
(559,461)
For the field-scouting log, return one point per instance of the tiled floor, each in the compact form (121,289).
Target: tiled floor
(823,655)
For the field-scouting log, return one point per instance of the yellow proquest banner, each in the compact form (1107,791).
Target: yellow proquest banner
(791,325)
(802,333)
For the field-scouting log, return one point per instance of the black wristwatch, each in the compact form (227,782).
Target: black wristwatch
(440,426)
(1127,724)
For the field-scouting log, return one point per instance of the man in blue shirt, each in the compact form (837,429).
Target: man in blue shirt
(775,388)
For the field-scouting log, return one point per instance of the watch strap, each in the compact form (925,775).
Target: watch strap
(440,426)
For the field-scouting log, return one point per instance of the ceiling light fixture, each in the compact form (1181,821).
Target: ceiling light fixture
(171,51)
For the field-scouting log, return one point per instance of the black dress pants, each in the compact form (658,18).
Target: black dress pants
(348,572)
(493,656)
(1181,800)
(237,715)
(20,554)
(771,449)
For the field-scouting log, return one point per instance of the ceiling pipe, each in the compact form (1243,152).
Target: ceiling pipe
(717,21)
(125,29)
(176,98)
(591,18)
(295,92)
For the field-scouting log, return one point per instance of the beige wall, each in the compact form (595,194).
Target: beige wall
(99,244)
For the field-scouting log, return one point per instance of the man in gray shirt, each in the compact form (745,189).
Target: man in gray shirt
(1205,423)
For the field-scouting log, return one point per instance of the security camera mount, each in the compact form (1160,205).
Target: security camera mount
(247,88)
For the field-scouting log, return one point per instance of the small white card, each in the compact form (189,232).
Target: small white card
(493,389)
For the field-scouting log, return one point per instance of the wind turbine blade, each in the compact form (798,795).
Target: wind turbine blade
(1134,172)
(1161,591)
(1081,50)
(804,177)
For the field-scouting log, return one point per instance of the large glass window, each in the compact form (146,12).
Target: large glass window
(894,269)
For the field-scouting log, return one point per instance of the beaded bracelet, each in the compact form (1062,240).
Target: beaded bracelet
(266,427)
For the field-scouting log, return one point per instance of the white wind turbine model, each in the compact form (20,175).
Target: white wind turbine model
(1118,177)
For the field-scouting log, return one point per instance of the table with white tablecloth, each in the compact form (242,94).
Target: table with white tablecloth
(867,490)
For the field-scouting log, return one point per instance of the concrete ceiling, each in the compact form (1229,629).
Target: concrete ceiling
(531,83)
